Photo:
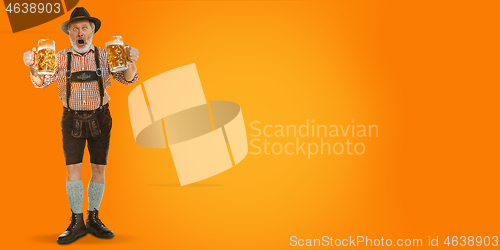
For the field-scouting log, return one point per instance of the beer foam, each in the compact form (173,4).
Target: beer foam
(114,42)
(47,47)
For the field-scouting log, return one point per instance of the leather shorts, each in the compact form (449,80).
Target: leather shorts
(91,128)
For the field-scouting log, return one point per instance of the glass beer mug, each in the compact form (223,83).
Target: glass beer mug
(46,57)
(116,54)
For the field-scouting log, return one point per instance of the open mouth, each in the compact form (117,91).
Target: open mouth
(80,41)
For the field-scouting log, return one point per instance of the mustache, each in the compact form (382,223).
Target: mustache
(88,43)
(76,39)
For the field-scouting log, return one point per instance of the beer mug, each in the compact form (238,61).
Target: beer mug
(116,54)
(46,57)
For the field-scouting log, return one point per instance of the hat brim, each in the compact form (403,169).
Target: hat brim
(97,23)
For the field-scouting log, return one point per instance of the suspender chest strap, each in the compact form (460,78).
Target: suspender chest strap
(68,79)
(98,71)
(84,76)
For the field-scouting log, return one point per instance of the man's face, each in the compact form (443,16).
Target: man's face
(80,34)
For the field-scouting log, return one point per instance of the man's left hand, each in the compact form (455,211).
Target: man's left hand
(132,54)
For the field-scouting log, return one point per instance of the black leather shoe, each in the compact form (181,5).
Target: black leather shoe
(75,229)
(96,227)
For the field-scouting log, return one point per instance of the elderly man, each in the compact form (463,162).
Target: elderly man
(82,73)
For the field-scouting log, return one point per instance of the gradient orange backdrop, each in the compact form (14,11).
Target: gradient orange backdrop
(425,72)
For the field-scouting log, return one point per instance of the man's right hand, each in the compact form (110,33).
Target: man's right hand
(30,57)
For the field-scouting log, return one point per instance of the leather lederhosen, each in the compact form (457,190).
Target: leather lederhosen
(82,118)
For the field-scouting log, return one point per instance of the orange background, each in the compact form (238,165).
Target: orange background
(425,72)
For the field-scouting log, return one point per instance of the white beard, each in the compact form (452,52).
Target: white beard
(83,50)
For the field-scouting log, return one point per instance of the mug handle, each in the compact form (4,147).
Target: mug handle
(126,47)
(35,56)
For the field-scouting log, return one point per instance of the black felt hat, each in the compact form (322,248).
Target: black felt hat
(77,14)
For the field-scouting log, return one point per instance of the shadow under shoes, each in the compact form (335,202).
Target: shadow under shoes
(75,229)
(96,227)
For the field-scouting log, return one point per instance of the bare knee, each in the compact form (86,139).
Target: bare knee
(97,169)
(73,172)
(97,172)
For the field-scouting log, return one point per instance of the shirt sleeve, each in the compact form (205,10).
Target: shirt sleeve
(46,81)
(120,76)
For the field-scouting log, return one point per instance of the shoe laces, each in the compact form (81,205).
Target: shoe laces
(73,222)
(96,218)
